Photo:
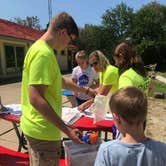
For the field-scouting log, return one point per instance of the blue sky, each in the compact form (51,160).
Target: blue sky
(83,11)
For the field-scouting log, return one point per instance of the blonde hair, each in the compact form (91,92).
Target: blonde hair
(81,55)
(101,58)
(130,103)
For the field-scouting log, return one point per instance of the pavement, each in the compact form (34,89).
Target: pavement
(10,94)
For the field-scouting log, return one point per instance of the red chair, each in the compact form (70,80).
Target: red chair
(10,157)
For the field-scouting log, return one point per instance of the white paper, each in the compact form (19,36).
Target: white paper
(70,115)
(13,109)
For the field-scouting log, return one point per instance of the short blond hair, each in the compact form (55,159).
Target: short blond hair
(81,55)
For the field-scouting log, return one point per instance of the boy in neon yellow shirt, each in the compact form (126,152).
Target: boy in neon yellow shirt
(41,93)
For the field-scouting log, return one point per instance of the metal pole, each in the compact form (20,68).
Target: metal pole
(50,9)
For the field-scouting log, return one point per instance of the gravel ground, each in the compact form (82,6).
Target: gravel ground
(156,123)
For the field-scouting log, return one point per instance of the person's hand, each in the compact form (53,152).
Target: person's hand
(91,92)
(85,105)
(75,94)
(74,134)
(81,107)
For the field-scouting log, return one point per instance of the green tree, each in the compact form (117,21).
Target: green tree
(95,38)
(149,33)
(32,22)
(117,24)
(150,22)
(118,21)
(90,37)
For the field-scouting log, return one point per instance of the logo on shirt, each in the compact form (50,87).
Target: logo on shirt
(83,80)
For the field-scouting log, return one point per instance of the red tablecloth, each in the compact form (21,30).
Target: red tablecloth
(86,123)
(10,157)
(83,124)
(11,118)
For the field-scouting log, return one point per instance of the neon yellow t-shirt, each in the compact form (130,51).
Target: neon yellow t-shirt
(109,77)
(41,67)
(131,78)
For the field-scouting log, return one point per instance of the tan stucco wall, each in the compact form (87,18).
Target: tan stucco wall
(25,44)
(62,59)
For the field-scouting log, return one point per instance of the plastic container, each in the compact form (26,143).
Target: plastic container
(80,154)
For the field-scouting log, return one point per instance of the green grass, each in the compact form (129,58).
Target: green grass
(159,86)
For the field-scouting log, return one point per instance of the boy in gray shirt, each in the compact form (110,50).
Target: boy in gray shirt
(129,110)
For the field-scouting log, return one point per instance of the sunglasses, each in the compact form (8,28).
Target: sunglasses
(93,64)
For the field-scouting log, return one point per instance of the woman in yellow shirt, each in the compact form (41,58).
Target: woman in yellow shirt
(131,67)
(108,76)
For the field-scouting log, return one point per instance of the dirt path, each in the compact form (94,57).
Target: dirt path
(156,121)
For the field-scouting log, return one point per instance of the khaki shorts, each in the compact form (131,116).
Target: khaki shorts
(43,153)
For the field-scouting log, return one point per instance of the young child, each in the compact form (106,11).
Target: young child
(108,76)
(84,76)
(129,110)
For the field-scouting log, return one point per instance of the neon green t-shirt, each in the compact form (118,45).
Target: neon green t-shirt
(41,67)
(109,77)
(131,78)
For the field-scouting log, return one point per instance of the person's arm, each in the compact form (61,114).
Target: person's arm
(85,105)
(95,84)
(38,101)
(69,85)
(104,89)
(95,77)
(75,81)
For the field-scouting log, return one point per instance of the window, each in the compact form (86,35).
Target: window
(10,57)
(63,52)
(14,57)
(20,56)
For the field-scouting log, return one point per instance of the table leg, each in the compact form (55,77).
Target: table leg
(20,137)
(106,136)
(6,131)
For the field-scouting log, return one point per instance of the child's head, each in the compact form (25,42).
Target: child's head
(130,104)
(81,58)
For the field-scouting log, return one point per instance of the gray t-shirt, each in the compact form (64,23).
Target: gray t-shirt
(118,153)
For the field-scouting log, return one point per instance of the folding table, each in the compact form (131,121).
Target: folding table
(83,124)
(15,120)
